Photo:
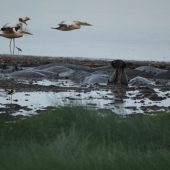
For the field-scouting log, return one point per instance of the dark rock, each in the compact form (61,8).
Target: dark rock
(151,70)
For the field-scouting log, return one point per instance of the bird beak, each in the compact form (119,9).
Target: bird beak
(55,28)
(27,33)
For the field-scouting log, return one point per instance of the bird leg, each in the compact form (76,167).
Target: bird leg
(10,46)
(13,46)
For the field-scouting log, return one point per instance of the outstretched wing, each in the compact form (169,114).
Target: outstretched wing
(65,23)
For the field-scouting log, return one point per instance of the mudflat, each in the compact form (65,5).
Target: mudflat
(148,82)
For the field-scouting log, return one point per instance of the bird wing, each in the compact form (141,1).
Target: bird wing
(26,18)
(18,26)
(62,22)
(65,23)
(7,29)
(7,25)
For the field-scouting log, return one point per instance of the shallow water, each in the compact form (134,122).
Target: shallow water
(124,29)
(103,99)
(45,82)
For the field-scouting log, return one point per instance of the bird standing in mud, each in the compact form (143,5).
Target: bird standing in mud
(69,26)
(12,32)
(19,50)
(10,92)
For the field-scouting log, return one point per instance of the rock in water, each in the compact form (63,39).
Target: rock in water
(151,70)
(140,81)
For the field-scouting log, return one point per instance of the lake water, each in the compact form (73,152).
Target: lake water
(103,99)
(132,30)
(108,50)
(91,42)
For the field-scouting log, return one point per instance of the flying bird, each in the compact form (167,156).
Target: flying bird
(69,26)
(24,20)
(13,31)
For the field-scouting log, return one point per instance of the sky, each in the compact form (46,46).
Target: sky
(122,29)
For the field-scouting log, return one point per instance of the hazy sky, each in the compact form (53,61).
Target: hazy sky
(121,28)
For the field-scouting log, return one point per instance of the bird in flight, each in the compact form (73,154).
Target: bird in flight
(24,20)
(69,26)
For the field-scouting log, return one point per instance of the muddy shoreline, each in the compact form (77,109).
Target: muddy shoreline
(148,90)
(29,61)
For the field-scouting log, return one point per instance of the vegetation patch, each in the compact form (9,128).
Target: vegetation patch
(80,138)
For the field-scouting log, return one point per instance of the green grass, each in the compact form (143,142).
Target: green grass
(80,139)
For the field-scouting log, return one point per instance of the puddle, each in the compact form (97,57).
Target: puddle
(103,99)
(45,82)
(60,82)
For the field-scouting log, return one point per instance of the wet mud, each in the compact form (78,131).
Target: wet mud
(79,81)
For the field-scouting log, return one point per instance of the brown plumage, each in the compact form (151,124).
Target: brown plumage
(69,26)
(12,32)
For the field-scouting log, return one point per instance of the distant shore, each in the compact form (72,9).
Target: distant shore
(28,60)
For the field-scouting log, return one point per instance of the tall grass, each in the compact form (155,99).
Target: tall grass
(82,139)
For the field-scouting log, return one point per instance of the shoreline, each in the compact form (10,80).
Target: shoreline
(76,80)
(30,60)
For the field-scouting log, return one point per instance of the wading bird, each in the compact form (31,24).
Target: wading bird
(68,26)
(10,92)
(24,20)
(19,50)
(12,32)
